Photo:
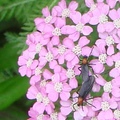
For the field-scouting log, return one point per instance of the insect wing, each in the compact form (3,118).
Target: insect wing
(86,87)
(85,72)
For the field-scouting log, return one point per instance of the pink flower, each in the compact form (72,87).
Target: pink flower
(115,16)
(45,104)
(105,104)
(100,52)
(56,87)
(100,17)
(64,11)
(80,26)
(115,72)
(35,115)
(27,63)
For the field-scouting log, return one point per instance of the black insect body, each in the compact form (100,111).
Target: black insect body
(85,90)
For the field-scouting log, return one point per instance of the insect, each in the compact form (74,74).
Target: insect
(85,90)
(85,67)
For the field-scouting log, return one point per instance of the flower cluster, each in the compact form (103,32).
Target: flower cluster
(52,59)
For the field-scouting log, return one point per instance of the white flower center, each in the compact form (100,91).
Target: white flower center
(45,100)
(38,47)
(102,58)
(40,117)
(103,19)
(54,116)
(49,56)
(109,40)
(39,97)
(79,27)
(117,64)
(38,71)
(117,114)
(107,87)
(29,62)
(92,7)
(56,32)
(61,49)
(66,12)
(74,106)
(48,19)
(77,50)
(117,23)
(70,73)
(93,118)
(43,83)
(105,105)
(58,87)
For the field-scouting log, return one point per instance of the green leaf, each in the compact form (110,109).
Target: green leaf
(8,56)
(13,113)
(11,90)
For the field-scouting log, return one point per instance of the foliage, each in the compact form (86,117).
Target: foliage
(16,21)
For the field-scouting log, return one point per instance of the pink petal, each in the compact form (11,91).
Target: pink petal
(105,96)
(61,59)
(34,79)
(21,60)
(65,103)
(87,30)
(84,20)
(116,92)
(67,29)
(65,110)
(45,11)
(109,61)
(53,96)
(101,115)
(94,20)
(39,107)
(89,3)
(97,103)
(57,69)
(34,64)
(97,66)
(69,56)
(111,3)
(83,41)
(110,50)
(109,115)
(76,17)
(73,5)
(75,36)
(47,74)
(113,104)
(55,40)
(22,70)
(49,88)
(64,96)
(38,21)
(52,64)
(70,41)
(101,28)
(113,14)
(109,26)
(66,87)
(100,80)
(49,109)
(73,83)
(59,22)
(96,88)
(86,51)
(114,73)
(78,116)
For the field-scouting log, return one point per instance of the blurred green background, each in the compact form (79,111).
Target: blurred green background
(16,21)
